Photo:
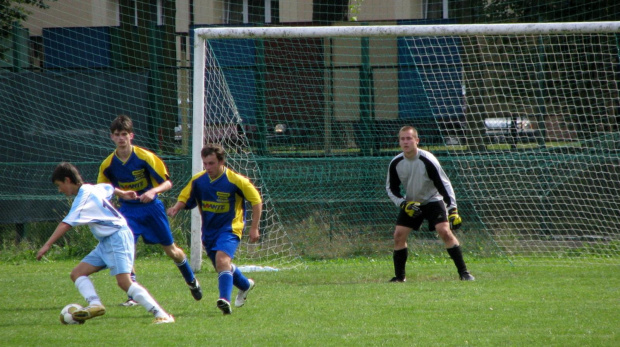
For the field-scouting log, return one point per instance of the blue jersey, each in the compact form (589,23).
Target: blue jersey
(141,172)
(221,201)
(91,207)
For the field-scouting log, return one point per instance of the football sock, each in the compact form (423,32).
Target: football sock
(225,284)
(186,271)
(400,260)
(85,286)
(144,298)
(239,280)
(133,279)
(457,257)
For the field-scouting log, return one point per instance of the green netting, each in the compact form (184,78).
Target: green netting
(314,120)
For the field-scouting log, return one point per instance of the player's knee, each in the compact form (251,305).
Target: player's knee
(175,253)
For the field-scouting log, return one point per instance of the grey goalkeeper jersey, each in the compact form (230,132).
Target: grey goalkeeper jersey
(423,180)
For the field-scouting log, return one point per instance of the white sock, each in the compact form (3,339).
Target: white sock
(85,286)
(144,298)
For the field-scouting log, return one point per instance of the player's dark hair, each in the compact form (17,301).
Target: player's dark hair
(65,169)
(213,148)
(122,123)
(407,128)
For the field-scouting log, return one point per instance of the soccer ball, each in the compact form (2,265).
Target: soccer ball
(65,314)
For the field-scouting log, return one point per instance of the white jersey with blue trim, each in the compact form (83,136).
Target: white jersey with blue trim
(92,207)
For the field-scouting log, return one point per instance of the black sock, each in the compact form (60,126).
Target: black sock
(457,256)
(400,259)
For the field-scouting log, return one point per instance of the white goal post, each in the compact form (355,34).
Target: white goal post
(203,35)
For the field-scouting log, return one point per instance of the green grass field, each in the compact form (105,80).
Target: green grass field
(329,303)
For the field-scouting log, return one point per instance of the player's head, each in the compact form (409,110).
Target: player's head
(121,132)
(408,140)
(121,123)
(67,170)
(408,128)
(213,148)
(213,159)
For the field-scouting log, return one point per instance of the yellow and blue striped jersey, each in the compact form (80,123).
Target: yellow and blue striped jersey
(141,172)
(221,201)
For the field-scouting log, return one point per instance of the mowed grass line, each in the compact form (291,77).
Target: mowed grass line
(330,303)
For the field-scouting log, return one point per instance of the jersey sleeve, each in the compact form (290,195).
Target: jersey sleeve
(187,194)
(102,178)
(442,182)
(393,183)
(157,168)
(250,192)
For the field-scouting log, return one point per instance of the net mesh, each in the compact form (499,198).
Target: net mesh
(525,125)
(313,120)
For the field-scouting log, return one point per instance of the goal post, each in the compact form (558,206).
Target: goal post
(524,118)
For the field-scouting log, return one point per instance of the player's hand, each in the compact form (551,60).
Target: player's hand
(454,219)
(127,194)
(411,208)
(42,251)
(147,197)
(172,211)
(254,235)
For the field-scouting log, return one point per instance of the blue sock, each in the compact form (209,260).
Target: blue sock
(186,271)
(239,280)
(225,284)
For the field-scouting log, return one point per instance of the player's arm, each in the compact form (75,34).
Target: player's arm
(257,211)
(185,200)
(126,194)
(60,231)
(172,211)
(392,185)
(150,194)
(444,186)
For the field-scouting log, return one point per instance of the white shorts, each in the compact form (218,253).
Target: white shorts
(114,252)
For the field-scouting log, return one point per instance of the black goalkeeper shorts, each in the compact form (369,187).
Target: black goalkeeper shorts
(434,212)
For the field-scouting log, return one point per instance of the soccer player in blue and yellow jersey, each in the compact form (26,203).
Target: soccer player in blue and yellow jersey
(221,194)
(138,176)
(114,251)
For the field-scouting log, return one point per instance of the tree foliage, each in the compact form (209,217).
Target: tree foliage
(15,12)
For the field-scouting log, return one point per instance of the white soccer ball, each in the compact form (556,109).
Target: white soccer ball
(66,316)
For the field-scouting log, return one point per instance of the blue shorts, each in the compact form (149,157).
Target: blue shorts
(226,242)
(114,252)
(149,221)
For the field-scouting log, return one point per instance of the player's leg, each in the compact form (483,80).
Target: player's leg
(130,213)
(92,263)
(404,226)
(454,250)
(244,284)
(401,253)
(224,280)
(159,231)
(144,298)
(180,260)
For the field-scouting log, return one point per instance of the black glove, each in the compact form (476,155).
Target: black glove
(411,208)
(454,219)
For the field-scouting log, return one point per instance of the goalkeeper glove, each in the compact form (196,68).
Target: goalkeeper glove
(454,219)
(411,208)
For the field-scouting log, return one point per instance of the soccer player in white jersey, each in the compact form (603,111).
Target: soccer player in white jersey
(115,250)
(428,195)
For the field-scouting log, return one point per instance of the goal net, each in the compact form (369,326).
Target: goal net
(523,117)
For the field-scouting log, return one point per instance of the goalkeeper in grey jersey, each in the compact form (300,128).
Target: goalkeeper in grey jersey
(428,195)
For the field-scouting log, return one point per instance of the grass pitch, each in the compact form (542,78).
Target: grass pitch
(329,303)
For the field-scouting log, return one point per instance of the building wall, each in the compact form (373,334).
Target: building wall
(389,10)
(295,11)
(71,13)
